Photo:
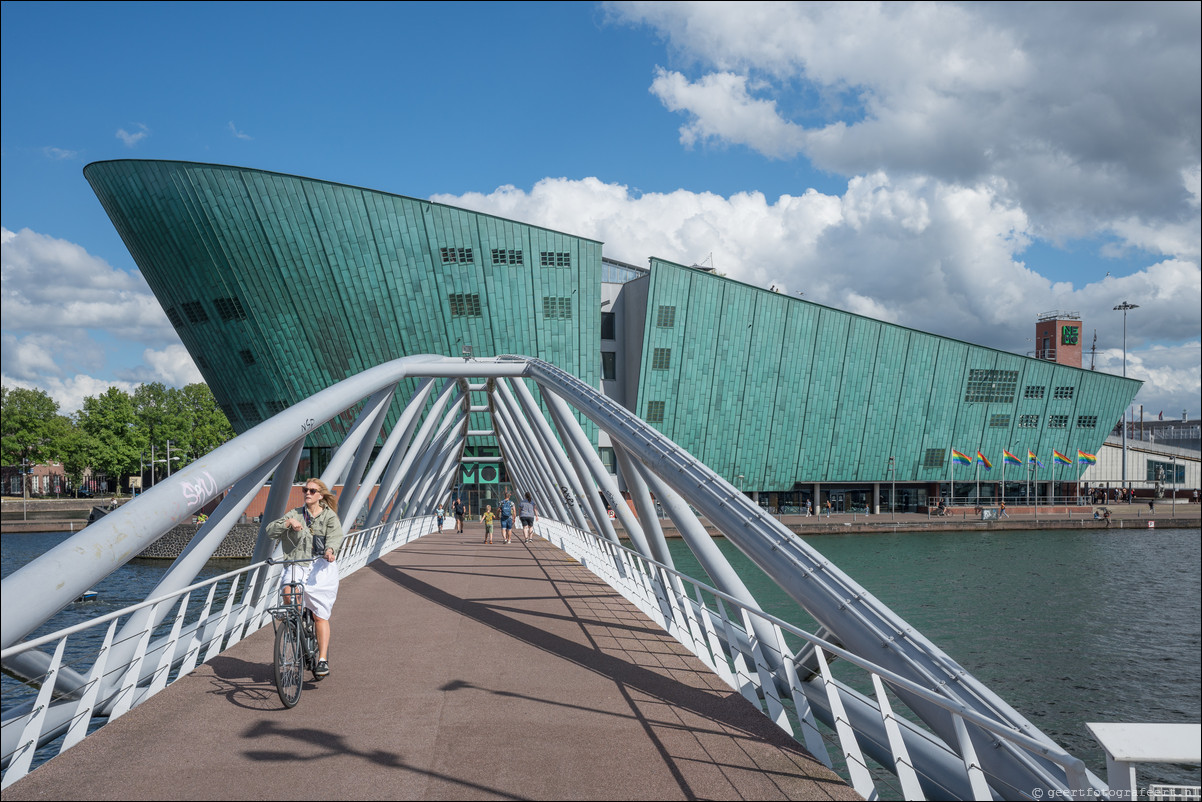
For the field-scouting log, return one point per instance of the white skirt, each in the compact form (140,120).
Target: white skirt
(321,584)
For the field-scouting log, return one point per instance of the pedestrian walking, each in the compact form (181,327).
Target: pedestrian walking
(507,509)
(460,511)
(528,513)
(487,518)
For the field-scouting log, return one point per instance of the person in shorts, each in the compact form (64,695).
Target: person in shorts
(460,510)
(507,509)
(528,513)
(487,518)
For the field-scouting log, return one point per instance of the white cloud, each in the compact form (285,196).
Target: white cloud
(131,139)
(723,111)
(59,154)
(171,366)
(68,316)
(1084,115)
(239,134)
(52,284)
(69,393)
(936,257)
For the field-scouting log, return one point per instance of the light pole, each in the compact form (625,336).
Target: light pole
(892,489)
(1124,307)
(1173,509)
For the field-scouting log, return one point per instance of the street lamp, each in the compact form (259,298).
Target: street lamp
(1124,307)
(892,489)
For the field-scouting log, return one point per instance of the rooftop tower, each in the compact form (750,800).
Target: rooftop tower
(1058,338)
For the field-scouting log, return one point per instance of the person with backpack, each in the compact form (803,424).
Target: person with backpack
(507,510)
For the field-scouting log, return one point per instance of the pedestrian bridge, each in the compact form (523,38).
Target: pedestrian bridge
(865,694)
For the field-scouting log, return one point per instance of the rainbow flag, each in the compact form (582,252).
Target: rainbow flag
(1063,460)
(960,459)
(981,460)
(1010,459)
(1032,458)
(1085,458)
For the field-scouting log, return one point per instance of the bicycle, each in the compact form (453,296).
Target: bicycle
(295,638)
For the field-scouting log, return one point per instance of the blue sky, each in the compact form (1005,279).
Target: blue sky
(955,168)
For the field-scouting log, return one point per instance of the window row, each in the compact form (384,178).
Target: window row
(1171,472)
(469,305)
(194,311)
(453,255)
(1037,391)
(1058,421)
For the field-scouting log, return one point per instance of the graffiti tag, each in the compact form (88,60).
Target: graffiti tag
(199,491)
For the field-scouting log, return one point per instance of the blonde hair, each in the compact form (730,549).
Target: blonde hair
(327,498)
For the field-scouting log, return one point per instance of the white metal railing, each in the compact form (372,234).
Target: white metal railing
(79,690)
(805,692)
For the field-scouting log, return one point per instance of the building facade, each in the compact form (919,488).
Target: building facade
(280,286)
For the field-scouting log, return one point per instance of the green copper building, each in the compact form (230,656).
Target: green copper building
(280,286)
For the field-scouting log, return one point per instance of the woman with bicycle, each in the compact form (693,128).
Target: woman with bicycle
(313,530)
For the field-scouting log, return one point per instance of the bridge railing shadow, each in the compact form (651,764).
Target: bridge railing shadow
(79,689)
(819,693)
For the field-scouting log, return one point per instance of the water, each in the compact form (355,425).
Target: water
(127,586)
(1067,626)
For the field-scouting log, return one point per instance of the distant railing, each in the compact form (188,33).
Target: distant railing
(80,690)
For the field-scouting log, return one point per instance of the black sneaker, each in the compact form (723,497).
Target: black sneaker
(323,668)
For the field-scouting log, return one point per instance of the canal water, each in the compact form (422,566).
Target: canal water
(1067,626)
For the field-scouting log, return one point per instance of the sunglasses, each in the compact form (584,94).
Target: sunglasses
(309,490)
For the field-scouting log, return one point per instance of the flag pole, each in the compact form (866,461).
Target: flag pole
(978,478)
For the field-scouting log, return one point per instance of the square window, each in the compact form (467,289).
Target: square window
(661,359)
(655,411)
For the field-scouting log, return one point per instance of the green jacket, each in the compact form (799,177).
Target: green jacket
(299,544)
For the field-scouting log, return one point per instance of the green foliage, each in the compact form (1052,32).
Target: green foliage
(208,426)
(73,449)
(110,424)
(27,425)
(113,433)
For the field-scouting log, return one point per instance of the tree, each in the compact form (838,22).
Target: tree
(73,449)
(164,421)
(209,426)
(109,422)
(27,425)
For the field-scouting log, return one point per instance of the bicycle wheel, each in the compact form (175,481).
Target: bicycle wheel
(288,665)
(309,636)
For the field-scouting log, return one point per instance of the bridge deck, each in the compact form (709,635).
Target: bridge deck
(502,672)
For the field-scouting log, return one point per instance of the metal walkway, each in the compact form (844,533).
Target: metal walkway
(496,672)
